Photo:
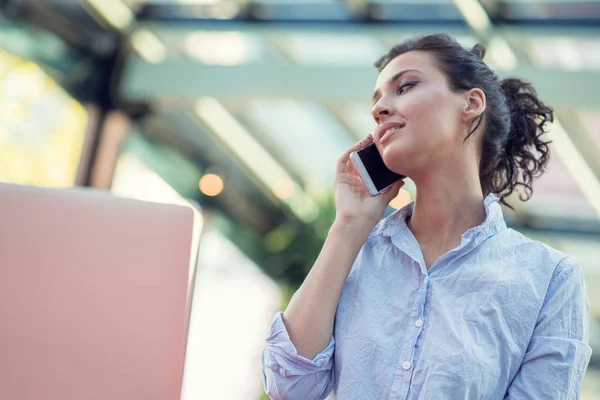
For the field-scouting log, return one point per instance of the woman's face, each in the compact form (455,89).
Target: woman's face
(413,98)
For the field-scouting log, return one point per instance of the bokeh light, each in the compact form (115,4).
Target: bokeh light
(211,185)
(284,189)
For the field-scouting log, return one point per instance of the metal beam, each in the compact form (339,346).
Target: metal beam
(180,77)
(189,80)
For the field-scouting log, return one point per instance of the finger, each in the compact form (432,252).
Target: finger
(343,160)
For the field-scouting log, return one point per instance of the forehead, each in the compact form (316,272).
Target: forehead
(412,60)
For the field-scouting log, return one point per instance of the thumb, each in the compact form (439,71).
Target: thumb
(392,191)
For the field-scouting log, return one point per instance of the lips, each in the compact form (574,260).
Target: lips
(388,129)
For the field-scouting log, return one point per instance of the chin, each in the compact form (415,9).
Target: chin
(395,157)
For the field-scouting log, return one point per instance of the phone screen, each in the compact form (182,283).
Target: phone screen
(381,176)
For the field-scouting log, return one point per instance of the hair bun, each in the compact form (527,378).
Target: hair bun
(478,50)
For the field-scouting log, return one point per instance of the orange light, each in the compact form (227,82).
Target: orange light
(402,199)
(284,189)
(211,184)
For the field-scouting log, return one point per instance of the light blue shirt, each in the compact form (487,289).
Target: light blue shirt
(499,317)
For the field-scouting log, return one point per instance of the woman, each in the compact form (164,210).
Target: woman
(439,300)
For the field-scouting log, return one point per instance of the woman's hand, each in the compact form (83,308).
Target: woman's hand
(353,202)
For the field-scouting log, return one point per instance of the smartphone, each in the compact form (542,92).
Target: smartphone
(375,175)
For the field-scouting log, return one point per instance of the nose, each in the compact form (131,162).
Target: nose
(380,111)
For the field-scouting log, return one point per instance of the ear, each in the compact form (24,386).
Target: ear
(474,104)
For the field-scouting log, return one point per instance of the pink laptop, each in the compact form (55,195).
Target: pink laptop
(93,295)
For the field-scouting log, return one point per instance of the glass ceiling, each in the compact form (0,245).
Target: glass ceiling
(573,54)
(591,122)
(310,138)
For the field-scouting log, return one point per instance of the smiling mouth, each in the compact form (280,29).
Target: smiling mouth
(386,135)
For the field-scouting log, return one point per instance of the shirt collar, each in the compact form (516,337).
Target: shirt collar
(395,224)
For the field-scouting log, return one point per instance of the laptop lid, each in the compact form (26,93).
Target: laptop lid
(93,292)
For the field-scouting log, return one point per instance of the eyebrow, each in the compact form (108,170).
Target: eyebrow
(392,80)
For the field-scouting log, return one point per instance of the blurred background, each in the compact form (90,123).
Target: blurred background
(241,108)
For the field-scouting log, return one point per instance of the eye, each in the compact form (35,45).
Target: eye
(402,88)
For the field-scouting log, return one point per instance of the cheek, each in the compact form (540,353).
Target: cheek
(431,132)
(433,120)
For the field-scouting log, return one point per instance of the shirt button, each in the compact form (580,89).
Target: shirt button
(419,323)
(406,365)
(425,280)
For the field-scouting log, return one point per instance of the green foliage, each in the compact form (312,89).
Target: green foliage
(286,253)
(264,397)
(292,247)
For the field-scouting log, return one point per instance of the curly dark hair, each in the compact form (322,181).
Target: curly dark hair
(514,151)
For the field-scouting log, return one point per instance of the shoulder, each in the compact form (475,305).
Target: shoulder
(536,264)
(526,253)
(568,275)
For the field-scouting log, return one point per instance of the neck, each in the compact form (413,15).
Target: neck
(446,206)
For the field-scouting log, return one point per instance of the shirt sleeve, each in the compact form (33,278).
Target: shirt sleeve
(287,375)
(558,352)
